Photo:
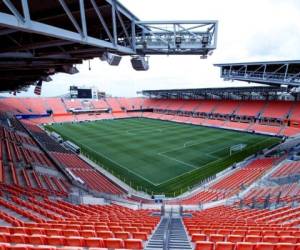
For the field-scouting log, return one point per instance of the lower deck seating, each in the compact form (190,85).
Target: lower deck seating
(230,184)
(273,194)
(56,224)
(290,168)
(92,178)
(228,227)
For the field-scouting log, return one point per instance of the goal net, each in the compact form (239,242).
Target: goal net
(238,147)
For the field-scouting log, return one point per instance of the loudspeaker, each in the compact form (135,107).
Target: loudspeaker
(139,63)
(112,59)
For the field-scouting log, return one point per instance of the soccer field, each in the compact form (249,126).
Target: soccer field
(160,156)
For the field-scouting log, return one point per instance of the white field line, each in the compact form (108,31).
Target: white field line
(174,159)
(121,166)
(209,163)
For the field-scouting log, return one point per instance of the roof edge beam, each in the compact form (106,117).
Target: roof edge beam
(71,17)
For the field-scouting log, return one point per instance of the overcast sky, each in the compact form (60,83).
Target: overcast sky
(248,31)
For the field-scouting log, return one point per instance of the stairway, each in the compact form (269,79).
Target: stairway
(178,238)
(157,239)
(171,235)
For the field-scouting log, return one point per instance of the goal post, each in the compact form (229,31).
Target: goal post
(237,147)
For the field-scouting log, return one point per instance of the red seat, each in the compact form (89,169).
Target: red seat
(113,243)
(198,237)
(17,238)
(19,247)
(36,239)
(87,233)
(224,246)
(147,230)
(204,245)
(38,231)
(265,246)
(56,240)
(70,232)
(253,238)
(105,234)
(235,238)
(225,231)
(285,246)
(245,246)
(130,229)
(140,235)
(133,244)
(271,239)
(74,241)
(53,232)
(288,239)
(122,235)
(216,237)
(93,242)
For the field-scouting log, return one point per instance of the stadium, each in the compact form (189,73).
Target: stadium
(204,168)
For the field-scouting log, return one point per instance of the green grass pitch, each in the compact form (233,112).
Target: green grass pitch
(160,156)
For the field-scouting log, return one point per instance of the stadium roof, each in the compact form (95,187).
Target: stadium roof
(271,73)
(39,38)
(215,93)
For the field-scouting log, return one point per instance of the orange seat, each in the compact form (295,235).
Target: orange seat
(18,230)
(216,237)
(225,231)
(74,241)
(239,232)
(140,235)
(19,247)
(284,233)
(56,240)
(254,232)
(36,239)
(268,233)
(105,234)
(147,230)
(42,248)
(17,238)
(198,237)
(245,246)
(224,246)
(4,237)
(265,246)
(70,232)
(130,229)
(285,246)
(53,232)
(122,235)
(253,238)
(209,231)
(4,229)
(204,245)
(113,243)
(116,229)
(288,239)
(235,238)
(87,233)
(271,239)
(93,242)
(133,244)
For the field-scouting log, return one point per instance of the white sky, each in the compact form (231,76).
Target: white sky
(248,31)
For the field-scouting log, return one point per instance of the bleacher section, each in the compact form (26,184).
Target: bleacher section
(227,227)
(268,117)
(93,179)
(38,176)
(291,168)
(230,184)
(49,224)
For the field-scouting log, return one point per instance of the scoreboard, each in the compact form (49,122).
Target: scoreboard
(77,92)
